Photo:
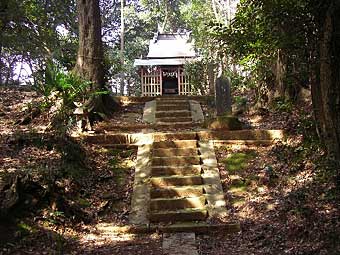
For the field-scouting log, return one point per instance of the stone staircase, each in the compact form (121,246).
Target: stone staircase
(172,110)
(176,192)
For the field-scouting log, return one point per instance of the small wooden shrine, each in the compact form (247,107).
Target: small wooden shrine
(162,71)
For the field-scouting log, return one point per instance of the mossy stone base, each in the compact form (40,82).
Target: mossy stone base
(225,123)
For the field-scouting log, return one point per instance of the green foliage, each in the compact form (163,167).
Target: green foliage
(260,33)
(72,87)
(240,101)
(24,229)
(237,162)
(196,72)
(164,14)
(29,34)
(282,105)
(54,217)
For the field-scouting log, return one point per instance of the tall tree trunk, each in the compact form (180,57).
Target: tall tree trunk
(122,46)
(280,74)
(90,52)
(329,97)
(90,56)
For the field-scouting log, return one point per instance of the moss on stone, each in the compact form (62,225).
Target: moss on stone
(225,123)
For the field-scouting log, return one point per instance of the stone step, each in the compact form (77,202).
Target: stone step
(182,104)
(173,144)
(173,192)
(158,182)
(175,97)
(181,125)
(174,136)
(110,229)
(179,215)
(157,171)
(172,114)
(175,161)
(171,100)
(165,107)
(174,152)
(173,119)
(171,204)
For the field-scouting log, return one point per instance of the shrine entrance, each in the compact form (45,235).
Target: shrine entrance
(170,81)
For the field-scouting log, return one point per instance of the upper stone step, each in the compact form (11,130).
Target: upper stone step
(182,103)
(171,152)
(173,107)
(176,161)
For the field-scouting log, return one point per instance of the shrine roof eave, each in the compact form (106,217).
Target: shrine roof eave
(163,61)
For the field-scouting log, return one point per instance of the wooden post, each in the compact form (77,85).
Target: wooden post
(179,80)
(160,81)
(142,80)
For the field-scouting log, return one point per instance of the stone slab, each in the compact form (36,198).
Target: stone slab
(196,111)
(149,112)
(141,190)
(211,179)
(179,244)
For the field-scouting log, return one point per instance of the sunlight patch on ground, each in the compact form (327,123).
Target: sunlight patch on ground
(255,120)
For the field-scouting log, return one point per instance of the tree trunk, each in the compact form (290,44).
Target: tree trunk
(90,52)
(90,56)
(122,46)
(329,97)
(280,75)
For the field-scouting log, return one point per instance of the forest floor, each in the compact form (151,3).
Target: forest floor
(284,195)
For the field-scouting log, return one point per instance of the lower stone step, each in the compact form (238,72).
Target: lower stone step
(162,204)
(174,144)
(172,114)
(189,226)
(175,161)
(174,152)
(173,192)
(173,119)
(179,216)
(177,170)
(176,181)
